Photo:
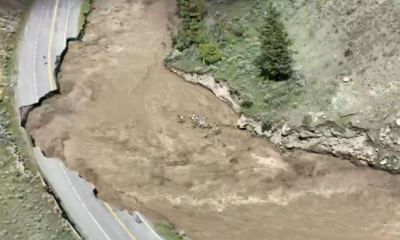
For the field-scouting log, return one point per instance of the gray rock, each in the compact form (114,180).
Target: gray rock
(285,130)
(398,122)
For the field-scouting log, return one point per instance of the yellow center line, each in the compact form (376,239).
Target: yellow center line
(50,43)
(120,222)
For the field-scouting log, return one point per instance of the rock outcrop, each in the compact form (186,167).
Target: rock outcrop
(362,146)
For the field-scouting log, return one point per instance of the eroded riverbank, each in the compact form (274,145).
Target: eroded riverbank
(152,142)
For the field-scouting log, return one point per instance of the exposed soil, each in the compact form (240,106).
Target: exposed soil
(137,132)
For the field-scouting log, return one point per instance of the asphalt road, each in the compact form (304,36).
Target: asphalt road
(94,218)
(49,25)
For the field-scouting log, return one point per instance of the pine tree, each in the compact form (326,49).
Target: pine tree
(275,60)
(192,13)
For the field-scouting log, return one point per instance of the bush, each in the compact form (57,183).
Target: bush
(217,32)
(275,60)
(209,53)
(267,122)
(237,29)
(246,103)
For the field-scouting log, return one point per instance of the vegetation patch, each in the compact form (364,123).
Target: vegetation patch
(27,211)
(245,44)
(192,32)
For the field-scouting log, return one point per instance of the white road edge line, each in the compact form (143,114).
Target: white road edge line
(151,229)
(35,53)
(62,167)
(87,210)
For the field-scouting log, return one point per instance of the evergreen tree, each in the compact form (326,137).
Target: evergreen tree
(275,60)
(192,13)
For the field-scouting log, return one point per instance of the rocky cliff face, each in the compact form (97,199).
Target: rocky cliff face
(343,98)
(375,146)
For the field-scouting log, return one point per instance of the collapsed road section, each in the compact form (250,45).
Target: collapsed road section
(150,141)
(44,37)
(50,26)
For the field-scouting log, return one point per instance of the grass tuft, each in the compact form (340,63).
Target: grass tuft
(168,232)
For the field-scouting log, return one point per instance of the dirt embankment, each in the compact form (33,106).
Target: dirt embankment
(151,141)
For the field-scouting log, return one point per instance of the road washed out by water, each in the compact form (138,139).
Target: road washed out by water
(149,141)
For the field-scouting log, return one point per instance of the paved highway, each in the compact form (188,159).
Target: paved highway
(49,24)
(94,218)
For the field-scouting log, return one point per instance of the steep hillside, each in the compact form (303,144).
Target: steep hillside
(341,96)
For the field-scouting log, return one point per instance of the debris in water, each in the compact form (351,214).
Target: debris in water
(199,121)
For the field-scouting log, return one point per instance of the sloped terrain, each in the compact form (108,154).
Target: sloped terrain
(341,98)
(149,141)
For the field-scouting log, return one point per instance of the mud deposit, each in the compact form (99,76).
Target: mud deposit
(150,141)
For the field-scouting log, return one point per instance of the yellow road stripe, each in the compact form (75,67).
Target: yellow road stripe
(120,222)
(50,43)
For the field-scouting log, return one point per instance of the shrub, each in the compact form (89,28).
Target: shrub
(209,53)
(217,32)
(275,60)
(246,103)
(267,122)
(237,29)
(307,121)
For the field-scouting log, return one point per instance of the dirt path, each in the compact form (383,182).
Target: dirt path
(126,124)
